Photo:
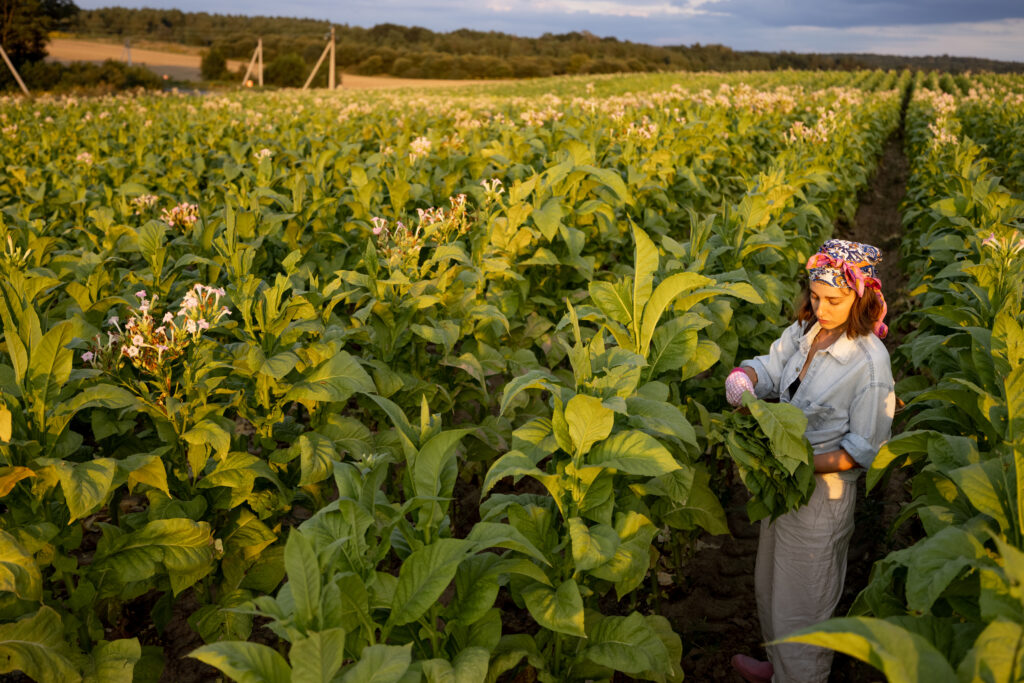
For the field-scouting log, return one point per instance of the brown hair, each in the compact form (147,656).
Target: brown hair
(863,314)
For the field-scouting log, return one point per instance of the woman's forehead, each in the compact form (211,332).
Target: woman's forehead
(826,291)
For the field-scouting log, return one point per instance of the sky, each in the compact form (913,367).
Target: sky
(966,28)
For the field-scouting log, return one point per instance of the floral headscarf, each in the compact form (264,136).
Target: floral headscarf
(844,264)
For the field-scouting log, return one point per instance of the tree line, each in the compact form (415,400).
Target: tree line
(292,45)
(415,52)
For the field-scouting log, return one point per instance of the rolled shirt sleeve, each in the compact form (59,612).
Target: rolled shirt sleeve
(769,366)
(871,416)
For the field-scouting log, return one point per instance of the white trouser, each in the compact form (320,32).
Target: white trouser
(801,564)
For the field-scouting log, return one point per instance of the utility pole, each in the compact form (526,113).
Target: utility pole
(330,67)
(328,50)
(126,53)
(17,76)
(256,63)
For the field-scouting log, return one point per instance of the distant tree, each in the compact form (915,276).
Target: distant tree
(25,26)
(214,66)
(288,70)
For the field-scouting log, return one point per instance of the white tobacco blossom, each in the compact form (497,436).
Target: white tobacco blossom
(418,148)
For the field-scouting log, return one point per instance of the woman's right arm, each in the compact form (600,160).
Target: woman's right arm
(766,371)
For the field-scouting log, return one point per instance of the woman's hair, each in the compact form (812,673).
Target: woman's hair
(865,311)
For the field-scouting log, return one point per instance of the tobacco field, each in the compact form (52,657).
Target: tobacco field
(428,387)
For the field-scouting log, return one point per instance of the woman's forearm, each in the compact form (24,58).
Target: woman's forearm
(833,461)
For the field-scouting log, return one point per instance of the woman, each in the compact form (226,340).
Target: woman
(832,365)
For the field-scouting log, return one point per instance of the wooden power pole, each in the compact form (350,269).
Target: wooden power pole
(328,50)
(255,64)
(17,76)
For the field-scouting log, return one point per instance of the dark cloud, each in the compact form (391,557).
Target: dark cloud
(850,13)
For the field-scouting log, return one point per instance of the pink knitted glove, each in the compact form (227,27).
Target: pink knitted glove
(735,384)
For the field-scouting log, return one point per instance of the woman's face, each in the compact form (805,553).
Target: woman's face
(831,305)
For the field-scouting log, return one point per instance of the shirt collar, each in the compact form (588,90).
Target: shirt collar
(842,349)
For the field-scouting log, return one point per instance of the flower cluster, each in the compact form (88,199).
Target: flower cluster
(640,131)
(492,186)
(184,215)
(538,118)
(819,133)
(142,203)
(263,154)
(151,345)
(84,158)
(402,243)
(418,148)
(15,257)
(1005,246)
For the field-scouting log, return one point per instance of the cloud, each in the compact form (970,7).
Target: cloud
(849,13)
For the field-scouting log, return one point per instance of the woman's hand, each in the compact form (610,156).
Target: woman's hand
(738,382)
(833,461)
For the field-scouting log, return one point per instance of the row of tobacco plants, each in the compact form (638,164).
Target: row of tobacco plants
(394,394)
(950,607)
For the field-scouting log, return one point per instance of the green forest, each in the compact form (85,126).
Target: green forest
(415,52)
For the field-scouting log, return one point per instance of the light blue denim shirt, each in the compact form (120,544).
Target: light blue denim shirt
(847,394)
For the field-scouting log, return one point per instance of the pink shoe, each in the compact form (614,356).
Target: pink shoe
(753,670)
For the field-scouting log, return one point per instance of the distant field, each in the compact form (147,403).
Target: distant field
(185,67)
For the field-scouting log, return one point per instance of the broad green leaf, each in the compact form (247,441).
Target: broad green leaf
(534,379)
(204,437)
(35,646)
(432,459)
(985,487)
(903,657)
(19,573)
(113,662)
(493,535)
(627,644)
(934,562)
(591,546)
(278,365)
(469,666)
(644,267)
(631,560)
(49,368)
(589,421)
(666,292)
(613,299)
(633,452)
(316,458)
(9,476)
(245,662)
(145,468)
(304,579)
(86,484)
(424,576)
(182,547)
(317,657)
(784,425)
(548,217)
(559,610)
(512,464)
(997,655)
(380,664)
(335,380)
(6,428)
